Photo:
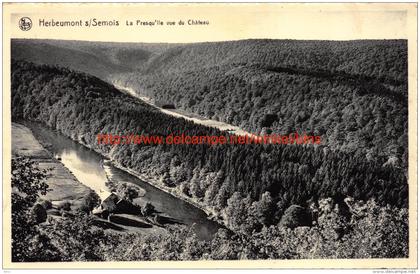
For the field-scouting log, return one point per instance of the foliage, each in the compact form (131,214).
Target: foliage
(66,205)
(38,213)
(79,106)
(75,238)
(343,91)
(90,201)
(350,230)
(148,209)
(295,216)
(45,204)
(127,191)
(28,243)
(373,232)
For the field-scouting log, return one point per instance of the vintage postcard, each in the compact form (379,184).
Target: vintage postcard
(198,135)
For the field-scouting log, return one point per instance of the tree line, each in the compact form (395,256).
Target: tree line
(81,106)
(368,231)
(352,92)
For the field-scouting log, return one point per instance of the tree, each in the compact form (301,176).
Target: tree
(127,191)
(90,201)
(237,211)
(38,213)
(265,209)
(28,182)
(148,209)
(76,238)
(295,216)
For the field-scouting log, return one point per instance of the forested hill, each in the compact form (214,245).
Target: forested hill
(270,177)
(383,60)
(96,58)
(379,59)
(352,93)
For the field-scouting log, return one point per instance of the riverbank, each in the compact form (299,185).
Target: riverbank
(170,190)
(91,167)
(67,191)
(63,184)
(157,183)
(178,113)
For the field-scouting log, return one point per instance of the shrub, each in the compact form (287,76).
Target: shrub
(89,202)
(127,191)
(65,206)
(46,204)
(83,208)
(148,209)
(295,216)
(38,213)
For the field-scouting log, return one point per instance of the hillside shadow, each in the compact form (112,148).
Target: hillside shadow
(129,222)
(163,220)
(107,225)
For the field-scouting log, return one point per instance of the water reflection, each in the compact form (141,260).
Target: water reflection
(87,172)
(87,167)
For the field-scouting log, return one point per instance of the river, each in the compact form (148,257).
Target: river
(86,165)
(182,114)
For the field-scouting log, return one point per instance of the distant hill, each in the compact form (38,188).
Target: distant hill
(97,58)
(261,192)
(380,59)
(81,106)
(352,93)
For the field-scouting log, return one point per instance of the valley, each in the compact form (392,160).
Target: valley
(277,196)
(185,115)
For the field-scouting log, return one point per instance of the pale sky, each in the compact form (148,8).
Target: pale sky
(226,21)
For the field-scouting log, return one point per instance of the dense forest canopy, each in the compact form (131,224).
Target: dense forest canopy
(96,58)
(352,93)
(81,106)
(369,231)
(276,201)
(380,59)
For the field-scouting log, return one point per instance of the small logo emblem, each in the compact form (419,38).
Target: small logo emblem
(25,23)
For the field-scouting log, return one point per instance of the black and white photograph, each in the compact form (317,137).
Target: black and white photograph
(256,143)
